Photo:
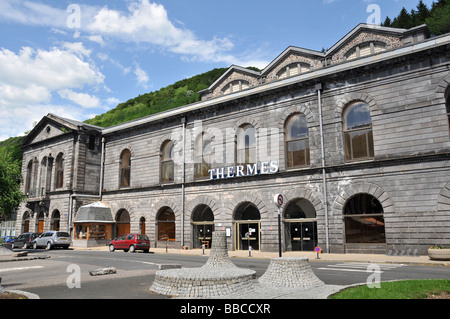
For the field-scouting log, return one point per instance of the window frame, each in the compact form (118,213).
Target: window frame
(59,171)
(201,165)
(347,135)
(124,169)
(447,105)
(167,163)
(288,141)
(248,149)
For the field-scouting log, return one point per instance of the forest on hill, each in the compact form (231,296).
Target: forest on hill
(178,94)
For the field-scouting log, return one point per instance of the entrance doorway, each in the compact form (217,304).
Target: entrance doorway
(247,227)
(40,223)
(300,226)
(203,226)
(123,222)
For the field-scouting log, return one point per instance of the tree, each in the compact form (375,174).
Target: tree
(10,178)
(439,20)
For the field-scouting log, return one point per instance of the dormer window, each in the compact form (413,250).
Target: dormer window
(235,86)
(365,49)
(293,70)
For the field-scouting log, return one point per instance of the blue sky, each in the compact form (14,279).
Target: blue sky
(80,58)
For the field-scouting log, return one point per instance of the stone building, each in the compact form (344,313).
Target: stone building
(356,139)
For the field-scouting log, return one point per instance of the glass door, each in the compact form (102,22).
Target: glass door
(248,234)
(203,234)
(300,235)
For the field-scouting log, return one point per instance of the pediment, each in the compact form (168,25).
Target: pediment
(51,126)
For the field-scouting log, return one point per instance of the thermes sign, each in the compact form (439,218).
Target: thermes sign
(270,167)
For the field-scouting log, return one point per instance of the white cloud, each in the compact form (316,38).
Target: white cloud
(30,77)
(141,76)
(83,99)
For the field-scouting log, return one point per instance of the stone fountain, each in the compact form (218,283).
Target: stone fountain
(218,277)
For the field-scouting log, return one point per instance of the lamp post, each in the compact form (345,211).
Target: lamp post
(278,200)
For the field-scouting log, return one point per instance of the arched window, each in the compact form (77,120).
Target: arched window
(59,171)
(29,178)
(293,70)
(246,145)
(447,104)
(358,132)
(235,86)
(364,221)
(166,225)
(365,49)
(142,225)
(167,162)
(203,156)
(297,141)
(125,168)
(54,223)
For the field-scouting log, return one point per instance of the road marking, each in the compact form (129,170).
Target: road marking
(344,269)
(148,263)
(361,267)
(20,268)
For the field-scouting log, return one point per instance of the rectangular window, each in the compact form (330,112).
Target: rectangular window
(298,153)
(359,144)
(167,172)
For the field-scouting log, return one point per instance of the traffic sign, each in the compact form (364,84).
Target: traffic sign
(278,199)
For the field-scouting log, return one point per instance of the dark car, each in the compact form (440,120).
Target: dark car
(51,239)
(25,240)
(130,242)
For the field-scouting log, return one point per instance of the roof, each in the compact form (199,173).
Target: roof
(96,212)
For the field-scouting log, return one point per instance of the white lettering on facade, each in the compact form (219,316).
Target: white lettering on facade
(263,168)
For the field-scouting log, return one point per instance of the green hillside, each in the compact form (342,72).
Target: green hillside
(178,94)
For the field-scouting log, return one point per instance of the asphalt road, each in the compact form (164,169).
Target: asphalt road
(65,275)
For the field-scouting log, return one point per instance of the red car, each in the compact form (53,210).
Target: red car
(130,242)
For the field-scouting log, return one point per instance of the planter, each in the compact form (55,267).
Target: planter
(439,254)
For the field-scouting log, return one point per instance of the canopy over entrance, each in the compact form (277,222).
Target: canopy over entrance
(94,213)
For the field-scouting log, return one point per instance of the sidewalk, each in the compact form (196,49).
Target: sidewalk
(312,256)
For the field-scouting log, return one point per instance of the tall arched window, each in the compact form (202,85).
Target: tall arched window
(203,156)
(59,171)
(358,132)
(167,162)
(246,145)
(364,220)
(447,104)
(29,178)
(297,141)
(125,168)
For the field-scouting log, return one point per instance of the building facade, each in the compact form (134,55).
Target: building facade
(356,139)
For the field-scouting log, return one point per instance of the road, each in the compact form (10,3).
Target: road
(60,275)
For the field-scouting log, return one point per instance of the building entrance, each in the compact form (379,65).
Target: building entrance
(247,230)
(300,226)
(203,226)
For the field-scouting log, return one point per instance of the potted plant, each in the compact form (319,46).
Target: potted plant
(439,252)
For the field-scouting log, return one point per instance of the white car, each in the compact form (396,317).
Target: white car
(51,239)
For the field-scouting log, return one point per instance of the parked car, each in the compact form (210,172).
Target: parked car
(51,239)
(130,242)
(25,240)
(9,239)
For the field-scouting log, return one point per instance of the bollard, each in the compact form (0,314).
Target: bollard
(249,251)
(203,247)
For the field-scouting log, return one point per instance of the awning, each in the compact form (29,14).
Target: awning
(94,213)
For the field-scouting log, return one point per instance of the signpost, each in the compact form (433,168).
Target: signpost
(318,250)
(278,200)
